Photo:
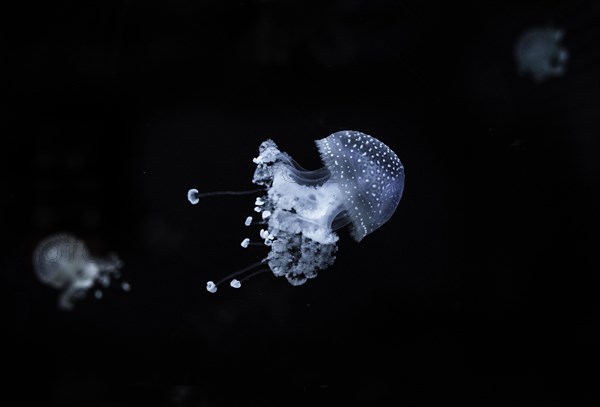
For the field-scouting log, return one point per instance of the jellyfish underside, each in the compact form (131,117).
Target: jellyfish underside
(301,201)
(304,208)
(315,179)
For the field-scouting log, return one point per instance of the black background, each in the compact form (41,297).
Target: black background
(482,285)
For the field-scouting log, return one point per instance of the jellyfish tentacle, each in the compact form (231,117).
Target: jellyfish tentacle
(257,272)
(216,193)
(193,195)
(239,272)
(212,287)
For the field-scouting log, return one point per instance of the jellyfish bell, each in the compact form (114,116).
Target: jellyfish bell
(63,262)
(360,185)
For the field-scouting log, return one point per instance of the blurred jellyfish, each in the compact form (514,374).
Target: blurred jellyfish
(64,262)
(360,185)
(539,52)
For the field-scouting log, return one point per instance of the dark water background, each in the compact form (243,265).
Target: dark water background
(482,286)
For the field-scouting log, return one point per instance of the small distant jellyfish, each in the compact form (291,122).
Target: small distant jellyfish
(360,185)
(539,52)
(63,262)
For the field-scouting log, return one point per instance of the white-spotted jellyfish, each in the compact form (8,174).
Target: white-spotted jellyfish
(539,52)
(63,262)
(360,185)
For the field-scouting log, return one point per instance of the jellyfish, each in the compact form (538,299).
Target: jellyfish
(360,186)
(63,262)
(539,52)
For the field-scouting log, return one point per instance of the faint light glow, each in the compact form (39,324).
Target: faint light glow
(539,52)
